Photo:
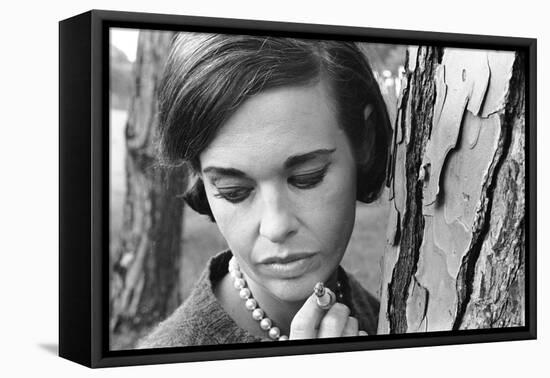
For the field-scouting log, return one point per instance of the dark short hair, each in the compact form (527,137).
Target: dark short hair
(208,76)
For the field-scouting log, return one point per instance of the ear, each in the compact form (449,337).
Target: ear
(367,144)
(367,112)
(197,200)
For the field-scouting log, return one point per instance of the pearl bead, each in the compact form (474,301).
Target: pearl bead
(265,324)
(239,283)
(244,293)
(251,304)
(258,314)
(283,338)
(274,333)
(233,265)
(235,273)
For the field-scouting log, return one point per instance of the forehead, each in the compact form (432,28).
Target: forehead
(273,125)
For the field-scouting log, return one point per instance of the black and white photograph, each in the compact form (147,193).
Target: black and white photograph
(302,188)
(267,188)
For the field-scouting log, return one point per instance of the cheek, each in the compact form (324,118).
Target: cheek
(331,210)
(233,223)
(339,208)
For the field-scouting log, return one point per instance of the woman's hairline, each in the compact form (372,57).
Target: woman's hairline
(321,78)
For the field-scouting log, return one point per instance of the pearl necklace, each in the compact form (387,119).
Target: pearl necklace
(251,304)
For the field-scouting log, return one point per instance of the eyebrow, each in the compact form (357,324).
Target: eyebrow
(295,160)
(290,162)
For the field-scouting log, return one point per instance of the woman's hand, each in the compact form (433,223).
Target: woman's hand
(312,322)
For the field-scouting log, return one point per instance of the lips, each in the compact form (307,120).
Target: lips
(288,258)
(289,266)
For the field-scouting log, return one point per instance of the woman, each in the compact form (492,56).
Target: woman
(282,137)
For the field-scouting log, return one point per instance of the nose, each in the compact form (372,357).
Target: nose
(278,221)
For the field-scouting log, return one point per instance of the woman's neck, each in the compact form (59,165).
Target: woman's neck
(279,311)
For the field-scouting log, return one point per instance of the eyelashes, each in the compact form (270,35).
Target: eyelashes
(233,194)
(310,180)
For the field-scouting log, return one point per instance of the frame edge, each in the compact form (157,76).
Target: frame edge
(74,189)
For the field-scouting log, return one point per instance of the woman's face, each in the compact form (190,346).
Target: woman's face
(280,180)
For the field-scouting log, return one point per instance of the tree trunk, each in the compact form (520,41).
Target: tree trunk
(456,240)
(144,276)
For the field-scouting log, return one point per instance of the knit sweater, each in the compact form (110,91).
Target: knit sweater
(201,320)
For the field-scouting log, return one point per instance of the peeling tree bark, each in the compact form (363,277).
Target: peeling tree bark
(145,269)
(497,293)
(455,254)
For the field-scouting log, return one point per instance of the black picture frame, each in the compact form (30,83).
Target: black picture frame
(84,186)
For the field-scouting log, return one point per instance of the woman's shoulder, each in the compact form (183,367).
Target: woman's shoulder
(186,326)
(200,320)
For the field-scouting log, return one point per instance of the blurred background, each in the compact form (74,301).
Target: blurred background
(158,245)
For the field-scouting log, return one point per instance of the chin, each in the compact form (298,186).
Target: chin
(294,296)
(295,290)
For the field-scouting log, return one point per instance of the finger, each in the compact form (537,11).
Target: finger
(352,327)
(305,323)
(334,321)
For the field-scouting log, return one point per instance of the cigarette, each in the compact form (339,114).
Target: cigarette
(325,296)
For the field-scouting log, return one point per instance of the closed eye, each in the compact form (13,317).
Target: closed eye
(308,180)
(233,194)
